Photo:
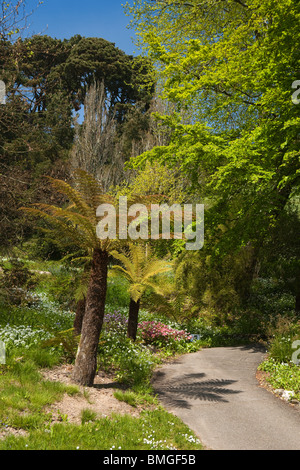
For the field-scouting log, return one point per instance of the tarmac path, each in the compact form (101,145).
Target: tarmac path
(216,393)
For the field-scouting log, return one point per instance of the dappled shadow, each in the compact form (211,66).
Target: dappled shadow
(106,386)
(179,391)
(253,348)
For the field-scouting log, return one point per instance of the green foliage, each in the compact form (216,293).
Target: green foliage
(228,68)
(154,430)
(140,268)
(280,257)
(16,280)
(66,341)
(282,335)
(283,375)
(17,275)
(117,292)
(132,363)
(58,74)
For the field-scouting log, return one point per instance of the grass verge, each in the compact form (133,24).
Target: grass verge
(154,430)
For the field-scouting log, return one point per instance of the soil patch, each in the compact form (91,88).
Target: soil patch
(8,431)
(99,398)
(262,377)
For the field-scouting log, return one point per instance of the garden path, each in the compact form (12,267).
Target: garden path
(216,392)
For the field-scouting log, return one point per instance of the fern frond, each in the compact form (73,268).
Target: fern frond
(127,263)
(62,232)
(156,287)
(140,269)
(81,224)
(91,190)
(75,196)
(156,267)
(123,271)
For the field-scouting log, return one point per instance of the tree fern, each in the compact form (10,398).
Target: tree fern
(76,224)
(140,269)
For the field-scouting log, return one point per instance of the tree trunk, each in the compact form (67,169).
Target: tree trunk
(134,308)
(297,304)
(79,315)
(297,294)
(86,359)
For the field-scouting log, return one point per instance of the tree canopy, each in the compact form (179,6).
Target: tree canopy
(231,63)
(229,68)
(47,80)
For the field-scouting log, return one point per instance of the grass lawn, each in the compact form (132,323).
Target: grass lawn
(25,396)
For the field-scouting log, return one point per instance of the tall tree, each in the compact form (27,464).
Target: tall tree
(76,225)
(13,18)
(47,81)
(96,147)
(233,64)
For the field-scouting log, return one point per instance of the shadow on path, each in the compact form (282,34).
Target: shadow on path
(178,391)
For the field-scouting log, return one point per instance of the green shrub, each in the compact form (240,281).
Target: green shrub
(282,337)
(283,375)
(117,292)
(66,342)
(16,282)
(131,362)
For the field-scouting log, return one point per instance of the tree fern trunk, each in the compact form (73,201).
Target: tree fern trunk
(297,295)
(297,304)
(86,359)
(79,315)
(134,308)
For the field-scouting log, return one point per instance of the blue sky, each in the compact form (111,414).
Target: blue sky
(91,18)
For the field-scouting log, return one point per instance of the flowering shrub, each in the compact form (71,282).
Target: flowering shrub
(22,336)
(115,321)
(159,334)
